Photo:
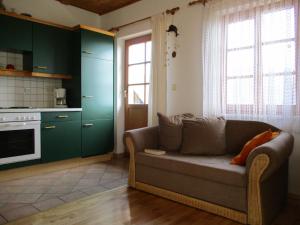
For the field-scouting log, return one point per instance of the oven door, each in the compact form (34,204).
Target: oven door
(19,141)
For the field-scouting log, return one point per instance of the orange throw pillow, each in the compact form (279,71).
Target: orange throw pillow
(258,140)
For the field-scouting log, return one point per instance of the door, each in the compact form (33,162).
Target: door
(97,89)
(15,34)
(97,137)
(60,140)
(97,45)
(51,49)
(137,80)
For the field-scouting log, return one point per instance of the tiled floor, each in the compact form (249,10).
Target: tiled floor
(23,197)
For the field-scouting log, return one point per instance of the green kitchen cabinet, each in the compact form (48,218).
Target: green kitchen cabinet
(97,137)
(60,135)
(92,89)
(15,34)
(52,50)
(97,89)
(97,45)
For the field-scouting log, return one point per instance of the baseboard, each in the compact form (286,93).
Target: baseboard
(39,169)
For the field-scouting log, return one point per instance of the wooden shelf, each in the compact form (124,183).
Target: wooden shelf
(21,73)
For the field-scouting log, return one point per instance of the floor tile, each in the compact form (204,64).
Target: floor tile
(88,182)
(93,190)
(93,176)
(36,189)
(47,196)
(2,220)
(115,184)
(24,198)
(20,212)
(11,206)
(48,204)
(64,189)
(5,197)
(12,189)
(73,196)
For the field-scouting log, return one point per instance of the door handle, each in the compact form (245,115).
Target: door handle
(87,52)
(88,125)
(62,116)
(88,96)
(50,127)
(41,67)
(125,93)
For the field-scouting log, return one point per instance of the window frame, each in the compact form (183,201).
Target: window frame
(128,43)
(253,109)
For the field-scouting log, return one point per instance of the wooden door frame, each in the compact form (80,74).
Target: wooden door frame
(129,42)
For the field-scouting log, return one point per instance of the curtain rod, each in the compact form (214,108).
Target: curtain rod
(168,11)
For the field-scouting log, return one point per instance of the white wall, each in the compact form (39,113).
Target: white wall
(185,71)
(54,11)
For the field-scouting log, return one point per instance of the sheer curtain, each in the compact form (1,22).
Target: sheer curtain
(158,85)
(251,61)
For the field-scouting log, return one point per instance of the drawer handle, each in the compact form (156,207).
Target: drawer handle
(88,96)
(50,127)
(87,52)
(62,116)
(88,125)
(41,67)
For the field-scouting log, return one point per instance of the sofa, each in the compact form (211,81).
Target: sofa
(251,194)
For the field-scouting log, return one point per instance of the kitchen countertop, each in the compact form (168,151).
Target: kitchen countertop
(40,110)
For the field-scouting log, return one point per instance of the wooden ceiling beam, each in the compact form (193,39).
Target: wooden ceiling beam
(99,6)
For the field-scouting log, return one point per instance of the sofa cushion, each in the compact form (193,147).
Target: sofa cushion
(204,136)
(170,134)
(214,168)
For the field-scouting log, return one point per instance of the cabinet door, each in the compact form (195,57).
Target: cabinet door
(97,89)
(97,137)
(15,34)
(51,49)
(97,45)
(60,140)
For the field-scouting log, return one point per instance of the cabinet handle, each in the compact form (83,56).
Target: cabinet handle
(88,125)
(88,96)
(62,116)
(41,67)
(50,127)
(87,52)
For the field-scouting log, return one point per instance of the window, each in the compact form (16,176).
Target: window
(138,69)
(260,62)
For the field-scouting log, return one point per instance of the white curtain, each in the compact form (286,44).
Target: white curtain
(251,61)
(158,85)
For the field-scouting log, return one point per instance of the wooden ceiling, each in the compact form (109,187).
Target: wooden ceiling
(98,6)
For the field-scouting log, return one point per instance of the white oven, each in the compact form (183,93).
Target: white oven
(20,137)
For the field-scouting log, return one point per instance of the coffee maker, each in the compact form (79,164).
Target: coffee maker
(60,98)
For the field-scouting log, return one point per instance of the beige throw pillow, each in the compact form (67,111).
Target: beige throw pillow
(204,136)
(170,134)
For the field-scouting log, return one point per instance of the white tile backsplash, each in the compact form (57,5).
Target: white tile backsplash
(31,92)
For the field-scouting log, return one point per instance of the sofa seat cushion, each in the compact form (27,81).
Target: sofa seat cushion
(213,168)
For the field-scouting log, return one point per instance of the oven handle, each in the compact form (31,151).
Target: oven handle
(13,125)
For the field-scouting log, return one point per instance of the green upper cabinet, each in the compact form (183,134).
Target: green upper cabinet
(97,45)
(51,49)
(15,34)
(97,89)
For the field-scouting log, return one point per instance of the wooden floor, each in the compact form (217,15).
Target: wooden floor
(124,206)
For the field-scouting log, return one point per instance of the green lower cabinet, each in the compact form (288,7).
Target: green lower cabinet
(60,140)
(97,137)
